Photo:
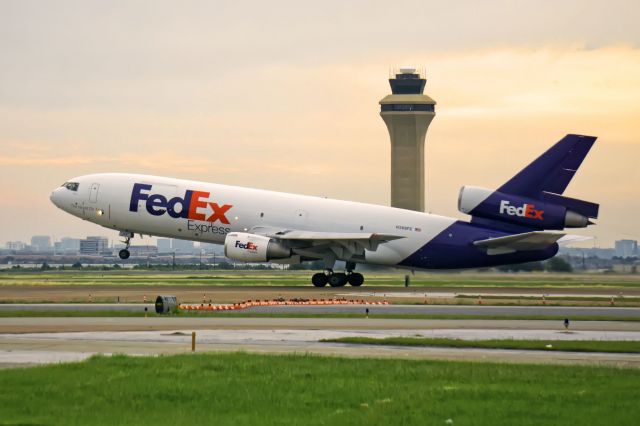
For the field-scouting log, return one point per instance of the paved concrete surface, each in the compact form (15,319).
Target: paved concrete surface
(314,335)
(501,311)
(29,341)
(67,324)
(498,311)
(39,348)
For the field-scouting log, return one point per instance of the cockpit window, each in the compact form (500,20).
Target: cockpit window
(71,186)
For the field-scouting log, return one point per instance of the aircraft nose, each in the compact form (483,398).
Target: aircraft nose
(55,197)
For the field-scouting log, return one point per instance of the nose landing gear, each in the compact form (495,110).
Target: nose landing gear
(124,253)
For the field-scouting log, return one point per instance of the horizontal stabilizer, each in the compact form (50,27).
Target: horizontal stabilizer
(585,208)
(536,240)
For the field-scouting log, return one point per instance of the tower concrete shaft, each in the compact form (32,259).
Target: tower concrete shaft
(407,112)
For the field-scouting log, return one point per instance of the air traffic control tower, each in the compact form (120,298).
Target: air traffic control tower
(407,112)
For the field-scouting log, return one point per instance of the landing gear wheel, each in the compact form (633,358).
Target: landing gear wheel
(124,253)
(355,279)
(319,279)
(337,279)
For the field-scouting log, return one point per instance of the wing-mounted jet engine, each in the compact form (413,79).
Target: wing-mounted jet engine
(245,247)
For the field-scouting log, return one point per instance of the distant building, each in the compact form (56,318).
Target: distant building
(626,248)
(16,245)
(143,250)
(212,248)
(94,246)
(182,246)
(164,245)
(68,245)
(602,253)
(41,243)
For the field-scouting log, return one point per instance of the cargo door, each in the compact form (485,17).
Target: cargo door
(93,195)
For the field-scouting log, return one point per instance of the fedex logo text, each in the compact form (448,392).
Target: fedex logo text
(178,207)
(248,246)
(527,210)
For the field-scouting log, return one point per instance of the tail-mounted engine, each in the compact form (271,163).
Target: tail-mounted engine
(552,211)
(245,247)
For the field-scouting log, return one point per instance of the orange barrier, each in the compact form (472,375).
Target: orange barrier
(279,302)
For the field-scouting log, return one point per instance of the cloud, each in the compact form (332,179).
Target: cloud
(23,157)
(316,130)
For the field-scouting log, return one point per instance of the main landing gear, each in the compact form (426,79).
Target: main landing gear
(338,279)
(124,253)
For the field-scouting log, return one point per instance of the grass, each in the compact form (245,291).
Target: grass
(536,299)
(243,389)
(210,314)
(301,278)
(618,346)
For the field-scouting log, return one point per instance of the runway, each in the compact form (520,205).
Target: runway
(67,324)
(448,310)
(500,291)
(130,291)
(457,310)
(28,341)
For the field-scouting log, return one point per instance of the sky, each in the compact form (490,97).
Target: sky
(283,95)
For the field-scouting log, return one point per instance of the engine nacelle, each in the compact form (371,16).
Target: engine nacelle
(488,204)
(245,247)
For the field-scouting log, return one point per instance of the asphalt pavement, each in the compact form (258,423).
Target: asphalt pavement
(453,310)
(461,310)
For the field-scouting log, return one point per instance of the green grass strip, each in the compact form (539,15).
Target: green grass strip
(252,389)
(617,346)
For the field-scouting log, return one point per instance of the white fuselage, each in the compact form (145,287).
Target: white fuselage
(111,200)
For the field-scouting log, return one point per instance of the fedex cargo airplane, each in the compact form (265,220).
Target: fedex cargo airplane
(518,222)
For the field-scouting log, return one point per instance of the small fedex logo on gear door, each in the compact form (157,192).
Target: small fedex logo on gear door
(191,206)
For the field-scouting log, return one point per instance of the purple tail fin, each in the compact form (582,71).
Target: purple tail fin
(533,198)
(553,170)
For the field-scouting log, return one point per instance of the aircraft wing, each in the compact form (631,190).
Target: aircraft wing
(317,244)
(570,239)
(338,236)
(536,240)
